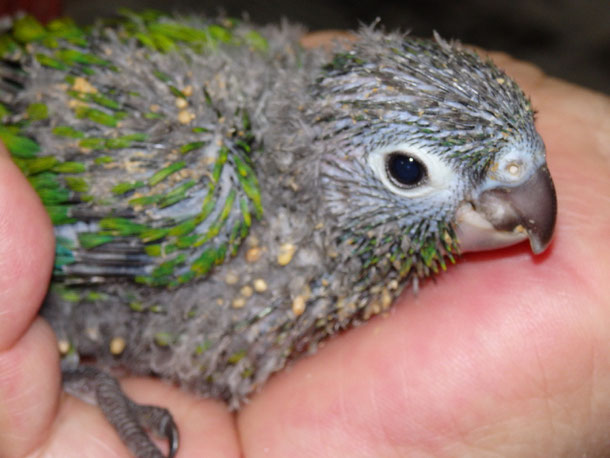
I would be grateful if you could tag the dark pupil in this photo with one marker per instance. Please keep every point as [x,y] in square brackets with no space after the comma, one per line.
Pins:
[406,170]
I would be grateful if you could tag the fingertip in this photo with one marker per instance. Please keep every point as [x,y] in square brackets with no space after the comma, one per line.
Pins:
[327,39]
[26,252]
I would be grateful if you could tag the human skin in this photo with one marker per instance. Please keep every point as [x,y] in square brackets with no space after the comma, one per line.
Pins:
[506,354]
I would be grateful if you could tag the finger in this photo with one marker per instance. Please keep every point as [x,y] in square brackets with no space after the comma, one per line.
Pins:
[26,252]
[29,390]
[29,377]
[326,39]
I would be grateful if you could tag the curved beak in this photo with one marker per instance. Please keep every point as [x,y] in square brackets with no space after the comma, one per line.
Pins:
[504,216]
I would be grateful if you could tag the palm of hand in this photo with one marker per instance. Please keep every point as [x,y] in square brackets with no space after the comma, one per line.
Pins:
[507,352]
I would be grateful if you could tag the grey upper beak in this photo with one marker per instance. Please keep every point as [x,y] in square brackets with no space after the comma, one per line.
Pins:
[506,215]
[532,205]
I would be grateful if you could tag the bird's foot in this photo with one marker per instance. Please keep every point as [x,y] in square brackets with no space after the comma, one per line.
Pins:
[131,420]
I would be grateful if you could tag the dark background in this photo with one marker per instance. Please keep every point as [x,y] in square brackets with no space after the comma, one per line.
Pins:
[567,38]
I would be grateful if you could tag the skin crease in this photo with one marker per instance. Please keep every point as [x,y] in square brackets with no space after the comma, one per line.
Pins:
[507,354]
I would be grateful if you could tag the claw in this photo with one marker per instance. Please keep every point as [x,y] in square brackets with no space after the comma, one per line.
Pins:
[173,437]
[160,422]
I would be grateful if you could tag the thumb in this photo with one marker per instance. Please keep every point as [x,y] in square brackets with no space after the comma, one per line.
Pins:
[29,378]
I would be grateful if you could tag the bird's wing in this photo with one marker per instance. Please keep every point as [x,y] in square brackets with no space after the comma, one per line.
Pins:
[143,165]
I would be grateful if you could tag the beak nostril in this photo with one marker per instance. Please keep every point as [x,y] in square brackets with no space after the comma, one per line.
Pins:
[514,168]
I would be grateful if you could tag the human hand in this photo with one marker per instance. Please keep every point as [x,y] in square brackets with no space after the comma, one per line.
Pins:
[507,353]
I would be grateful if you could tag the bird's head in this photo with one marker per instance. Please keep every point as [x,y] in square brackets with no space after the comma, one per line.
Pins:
[428,151]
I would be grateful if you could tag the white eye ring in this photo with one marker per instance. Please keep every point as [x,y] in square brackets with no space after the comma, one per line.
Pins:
[439,176]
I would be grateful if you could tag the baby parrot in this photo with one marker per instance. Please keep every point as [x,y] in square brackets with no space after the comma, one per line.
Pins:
[223,199]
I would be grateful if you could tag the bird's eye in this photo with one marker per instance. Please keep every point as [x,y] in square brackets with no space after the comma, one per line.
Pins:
[404,170]
[412,171]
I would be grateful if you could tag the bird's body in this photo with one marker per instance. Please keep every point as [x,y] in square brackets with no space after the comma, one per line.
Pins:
[224,200]
[199,118]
